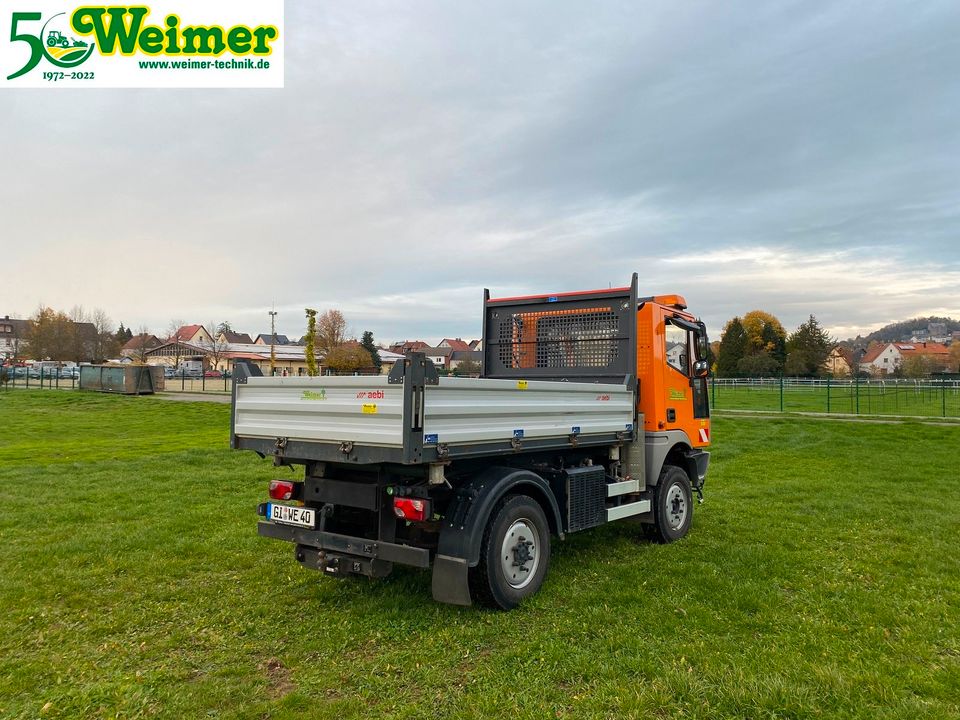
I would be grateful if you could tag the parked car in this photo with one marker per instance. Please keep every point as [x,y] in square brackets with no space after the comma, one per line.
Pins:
[213,374]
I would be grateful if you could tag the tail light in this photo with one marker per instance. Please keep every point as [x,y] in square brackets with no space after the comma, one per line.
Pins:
[285,490]
[413,509]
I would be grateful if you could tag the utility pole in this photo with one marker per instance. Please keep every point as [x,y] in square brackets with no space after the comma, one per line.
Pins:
[273,340]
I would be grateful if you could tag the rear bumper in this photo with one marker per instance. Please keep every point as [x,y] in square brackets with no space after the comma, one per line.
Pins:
[347,545]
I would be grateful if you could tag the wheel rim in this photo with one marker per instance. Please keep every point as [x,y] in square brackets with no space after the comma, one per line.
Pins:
[520,553]
[676,506]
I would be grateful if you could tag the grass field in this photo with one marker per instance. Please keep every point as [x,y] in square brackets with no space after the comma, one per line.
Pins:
[820,580]
[928,400]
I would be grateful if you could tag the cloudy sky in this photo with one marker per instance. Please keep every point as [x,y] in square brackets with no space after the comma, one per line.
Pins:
[799,157]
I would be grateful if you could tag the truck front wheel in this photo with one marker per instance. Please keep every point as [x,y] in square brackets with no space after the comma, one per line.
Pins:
[672,506]
[514,554]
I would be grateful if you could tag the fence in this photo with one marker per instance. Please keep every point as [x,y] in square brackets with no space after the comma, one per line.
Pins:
[927,397]
[51,379]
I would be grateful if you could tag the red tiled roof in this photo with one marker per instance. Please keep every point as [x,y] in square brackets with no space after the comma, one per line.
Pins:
[922,348]
[456,344]
[186,332]
[138,342]
[873,352]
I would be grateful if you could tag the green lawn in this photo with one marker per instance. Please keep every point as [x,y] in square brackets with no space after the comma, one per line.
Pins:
[930,400]
[820,580]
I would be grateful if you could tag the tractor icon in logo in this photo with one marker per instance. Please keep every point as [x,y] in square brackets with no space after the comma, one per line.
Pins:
[60,48]
[58,38]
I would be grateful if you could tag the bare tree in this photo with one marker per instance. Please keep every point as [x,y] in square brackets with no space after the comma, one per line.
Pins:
[217,348]
[172,328]
[105,344]
[79,338]
[141,344]
[331,330]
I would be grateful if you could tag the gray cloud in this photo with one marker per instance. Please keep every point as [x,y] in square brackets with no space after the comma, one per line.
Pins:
[795,156]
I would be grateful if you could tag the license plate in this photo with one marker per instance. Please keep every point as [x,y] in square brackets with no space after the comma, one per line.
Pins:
[291,515]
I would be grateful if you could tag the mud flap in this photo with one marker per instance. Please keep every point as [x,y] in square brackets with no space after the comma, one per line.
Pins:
[450,583]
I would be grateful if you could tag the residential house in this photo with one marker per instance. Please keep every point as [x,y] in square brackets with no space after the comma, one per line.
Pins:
[457,357]
[440,356]
[138,345]
[229,336]
[476,345]
[195,334]
[268,338]
[840,362]
[937,332]
[455,344]
[13,337]
[885,358]
[405,346]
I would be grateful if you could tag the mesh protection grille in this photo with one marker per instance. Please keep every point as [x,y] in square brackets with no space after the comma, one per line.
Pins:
[586,499]
[583,338]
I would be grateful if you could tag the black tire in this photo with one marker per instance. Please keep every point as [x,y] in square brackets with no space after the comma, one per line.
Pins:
[672,506]
[497,580]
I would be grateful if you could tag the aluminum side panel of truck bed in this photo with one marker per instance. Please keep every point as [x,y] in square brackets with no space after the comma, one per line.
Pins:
[327,409]
[368,410]
[462,410]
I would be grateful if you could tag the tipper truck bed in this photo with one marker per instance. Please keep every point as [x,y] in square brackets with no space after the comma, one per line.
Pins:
[474,476]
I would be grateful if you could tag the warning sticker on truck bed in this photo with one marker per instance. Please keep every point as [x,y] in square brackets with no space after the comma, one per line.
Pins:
[369,408]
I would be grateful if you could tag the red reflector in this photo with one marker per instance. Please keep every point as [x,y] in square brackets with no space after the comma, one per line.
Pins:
[413,509]
[282,489]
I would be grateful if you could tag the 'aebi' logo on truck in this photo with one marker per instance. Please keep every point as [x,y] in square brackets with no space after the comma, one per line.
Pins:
[371,395]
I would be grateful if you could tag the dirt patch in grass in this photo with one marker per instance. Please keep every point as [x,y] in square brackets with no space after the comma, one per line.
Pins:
[278,677]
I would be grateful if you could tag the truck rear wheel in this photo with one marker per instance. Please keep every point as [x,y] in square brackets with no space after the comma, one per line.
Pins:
[672,506]
[514,554]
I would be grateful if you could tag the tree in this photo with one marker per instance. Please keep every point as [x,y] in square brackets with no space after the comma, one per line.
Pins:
[49,335]
[347,359]
[954,356]
[310,341]
[758,364]
[216,348]
[138,353]
[808,348]
[123,335]
[105,342]
[733,347]
[172,327]
[467,367]
[368,344]
[331,331]
[756,324]
[916,366]
[224,327]
[80,340]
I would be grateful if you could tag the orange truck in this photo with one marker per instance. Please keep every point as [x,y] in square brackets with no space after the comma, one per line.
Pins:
[592,408]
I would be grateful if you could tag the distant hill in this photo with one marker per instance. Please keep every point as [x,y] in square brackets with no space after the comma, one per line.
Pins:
[895,332]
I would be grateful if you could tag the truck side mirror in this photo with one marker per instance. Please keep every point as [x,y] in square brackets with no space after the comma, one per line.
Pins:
[701,369]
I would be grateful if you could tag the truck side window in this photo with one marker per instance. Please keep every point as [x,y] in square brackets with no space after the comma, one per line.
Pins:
[678,348]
